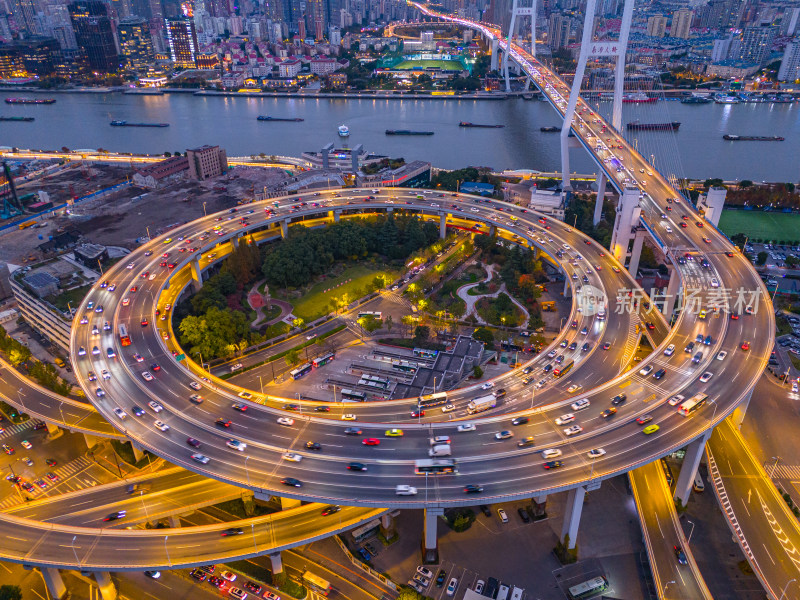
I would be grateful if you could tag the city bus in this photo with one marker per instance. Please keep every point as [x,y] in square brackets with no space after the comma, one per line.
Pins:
[430,400]
[436,466]
[588,588]
[316,583]
[323,360]
[353,396]
[124,338]
[370,313]
[563,369]
[692,404]
[300,371]
[366,531]
[404,366]
[425,353]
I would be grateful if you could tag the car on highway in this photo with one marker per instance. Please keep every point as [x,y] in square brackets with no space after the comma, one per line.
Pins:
[228,576]
[619,399]
[705,377]
[416,414]
[196,399]
[644,419]
[236,445]
[121,414]
[553,464]
[526,441]
[676,399]
[155,406]
[138,411]
[721,355]
[147,376]
[195,385]
[286,421]
[581,404]
[394,433]
[670,350]
[564,419]
[232,531]
[349,417]
[473,489]
[120,514]
[596,453]
[330,509]
[575,429]
[745,346]
[659,374]
[519,420]
[574,388]
[256,589]
[644,371]
[138,357]
[226,423]
[198,575]
[466,427]
[292,457]
[292,482]
[161,425]
[193,442]
[652,428]
[371,442]
[487,386]
[680,555]
[503,435]
[202,459]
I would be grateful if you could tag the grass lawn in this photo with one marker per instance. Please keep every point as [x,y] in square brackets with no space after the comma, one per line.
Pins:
[424,64]
[317,302]
[765,225]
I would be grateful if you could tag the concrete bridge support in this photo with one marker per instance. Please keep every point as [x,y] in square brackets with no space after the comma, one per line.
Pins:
[53,431]
[628,212]
[673,288]
[197,275]
[174,521]
[138,453]
[235,242]
[636,253]
[572,516]
[442,226]
[430,545]
[334,215]
[539,504]
[276,563]
[387,526]
[495,49]
[54,582]
[567,293]
[694,452]
[287,503]
[601,194]
[741,410]
[284,228]
[91,440]
[108,590]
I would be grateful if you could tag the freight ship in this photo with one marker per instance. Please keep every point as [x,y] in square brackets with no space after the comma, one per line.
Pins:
[16,118]
[30,100]
[696,100]
[287,119]
[126,124]
[726,99]
[673,126]
[468,124]
[752,138]
[639,98]
[344,131]
[407,132]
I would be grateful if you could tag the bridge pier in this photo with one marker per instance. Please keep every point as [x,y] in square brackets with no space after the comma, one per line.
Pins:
[53,430]
[276,562]
[387,526]
[694,452]
[430,545]
[539,504]
[138,453]
[601,194]
[54,582]
[636,253]
[495,49]
[285,228]
[713,204]
[627,219]
[673,288]
[91,440]
[287,503]
[572,516]
[197,275]
[235,242]
[108,590]
[334,215]
[567,287]
[741,410]
[442,226]
[174,521]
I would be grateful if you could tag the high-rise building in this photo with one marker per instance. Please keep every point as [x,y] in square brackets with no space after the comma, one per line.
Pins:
[25,14]
[94,34]
[39,55]
[136,43]
[559,30]
[207,162]
[790,65]
[657,26]
[10,62]
[790,21]
[681,24]
[756,43]
[720,50]
[182,42]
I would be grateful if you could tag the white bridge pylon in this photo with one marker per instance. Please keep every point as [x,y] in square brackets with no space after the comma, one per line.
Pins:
[522,11]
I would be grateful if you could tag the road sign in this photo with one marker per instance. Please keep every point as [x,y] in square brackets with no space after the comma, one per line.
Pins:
[180,357]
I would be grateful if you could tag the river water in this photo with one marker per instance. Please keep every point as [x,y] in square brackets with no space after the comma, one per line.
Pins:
[697,150]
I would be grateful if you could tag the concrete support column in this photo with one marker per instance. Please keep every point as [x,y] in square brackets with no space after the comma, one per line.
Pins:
[539,506]
[567,287]
[495,48]
[235,242]
[138,453]
[601,194]
[694,452]
[740,411]
[334,215]
[54,582]
[276,562]
[442,226]
[430,545]
[53,430]
[174,522]
[197,275]
[572,515]
[91,440]
[287,503]
[673,288]
[387,526]
[636,253]
[107,589]
[284,228]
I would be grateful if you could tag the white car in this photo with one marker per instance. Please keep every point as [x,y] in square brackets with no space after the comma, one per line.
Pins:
[722,354]
[155,406]
[452,586]
[147,376]
[573,430]
[349,417]
[292,457]
[564,419]
[644,371]
[487,386]
[668,229]
[581,404]
[706,376]
[161,425]
[285,421]
[195,386]
[120,413]
[236,445]
[201,458]
[228,576]
[138,357]
[448,408]
[596,453]
[670,350]
[106,374]
[676,399]
[405,490]
[551,453]
[794,387]
[26,444]
[466,427]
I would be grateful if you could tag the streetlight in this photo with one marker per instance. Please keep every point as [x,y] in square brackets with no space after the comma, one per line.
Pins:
[785,587]
[691,531]
[166,550]
[261,383]
[772,472]
[205,214]
[665,585]
[101,266]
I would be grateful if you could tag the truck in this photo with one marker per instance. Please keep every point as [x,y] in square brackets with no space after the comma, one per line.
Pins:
[481,404]
[440,450]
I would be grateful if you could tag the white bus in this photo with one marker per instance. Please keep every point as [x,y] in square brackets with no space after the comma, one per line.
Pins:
[692,404]
[482,404]
[588,588]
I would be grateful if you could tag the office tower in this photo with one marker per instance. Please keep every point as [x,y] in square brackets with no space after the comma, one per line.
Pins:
[39,55]
[720,50]
[182,42]
[790,65]
[136,43]
[94,34]
[24,12]
[790,21]
[681,24]
[657,26]
[756,43]
[10,62]
[559,30]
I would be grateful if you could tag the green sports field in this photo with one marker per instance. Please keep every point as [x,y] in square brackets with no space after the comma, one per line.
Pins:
[409,65]
[764,225]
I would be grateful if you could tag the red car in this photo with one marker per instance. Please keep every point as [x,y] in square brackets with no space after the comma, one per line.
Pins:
[216,581]
[745,345]
[417,413]
[683,224]
[371,442]
[133,289]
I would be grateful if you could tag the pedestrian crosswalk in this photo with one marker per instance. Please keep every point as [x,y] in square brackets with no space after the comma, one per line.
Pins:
[15,429]
[64,472]
[782,471]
